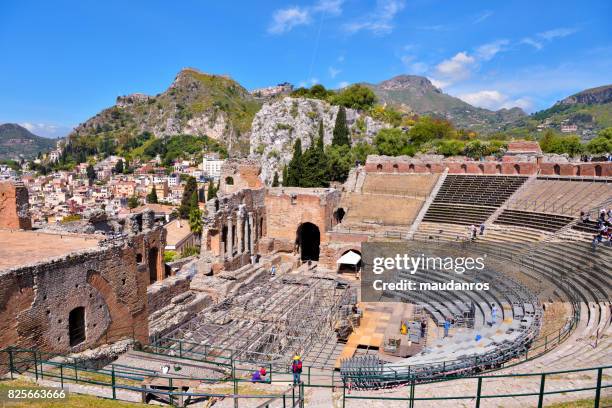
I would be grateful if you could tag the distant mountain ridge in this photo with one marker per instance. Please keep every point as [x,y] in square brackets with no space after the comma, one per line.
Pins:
[417,94]
[17,142]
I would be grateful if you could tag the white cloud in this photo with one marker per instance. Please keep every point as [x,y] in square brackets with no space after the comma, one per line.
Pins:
[285,20]
[438,83]
[487,51]
[413,66]
[494,100]
[548,36]
[380,21]
[333,72]
[483,16]
[530,41]
[46,129]
[457,68]
[314,81]
[557,33]
[329,6]
[343,84]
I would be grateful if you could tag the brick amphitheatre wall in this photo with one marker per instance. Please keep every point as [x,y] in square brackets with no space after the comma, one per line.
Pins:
[36,300]
[288,208]
[509,165]
[14,206]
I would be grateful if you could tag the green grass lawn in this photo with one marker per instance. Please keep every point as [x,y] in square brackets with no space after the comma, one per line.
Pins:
[585,403]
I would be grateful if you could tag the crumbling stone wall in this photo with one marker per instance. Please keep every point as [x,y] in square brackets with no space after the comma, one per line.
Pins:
[240,174]
[109,282]
[14,206]
[233,226]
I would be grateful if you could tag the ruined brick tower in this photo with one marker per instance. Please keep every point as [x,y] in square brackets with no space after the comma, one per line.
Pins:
[14,206]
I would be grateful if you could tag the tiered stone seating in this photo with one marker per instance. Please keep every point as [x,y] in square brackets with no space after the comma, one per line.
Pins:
[546,222]
[471,199]
[586,226]
[387,199]
[478,190]
[568,195]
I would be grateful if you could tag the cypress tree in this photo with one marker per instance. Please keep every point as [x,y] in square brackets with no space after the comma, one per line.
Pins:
[341,131]
[190,188]
[275,180]
[296,167]
[212,192]
[285,175]
[152,196]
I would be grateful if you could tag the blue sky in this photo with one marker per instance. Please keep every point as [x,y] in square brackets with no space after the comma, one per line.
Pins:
[63,61]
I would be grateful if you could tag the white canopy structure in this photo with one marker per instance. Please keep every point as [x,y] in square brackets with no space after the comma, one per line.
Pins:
[350,258]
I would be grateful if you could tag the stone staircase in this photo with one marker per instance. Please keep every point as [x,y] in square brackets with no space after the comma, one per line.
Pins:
[432,195]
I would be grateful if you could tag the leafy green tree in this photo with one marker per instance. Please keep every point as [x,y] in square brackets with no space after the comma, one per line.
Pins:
[339,162]
[119,167]
[566,145]
[191,188]
[476,149]
[427,129]
[547,140]
[275,182]
[341,131]
[393,142]
[361,151]
[450,147]
[600,145]
[607,133]
[133,202]
[152,196]
[296,167]
[355,97]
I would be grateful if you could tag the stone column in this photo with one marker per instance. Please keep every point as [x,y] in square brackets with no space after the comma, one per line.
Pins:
[251,232]
[239,231]
[230,237]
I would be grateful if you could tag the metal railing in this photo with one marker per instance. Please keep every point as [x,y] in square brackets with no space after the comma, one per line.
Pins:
[127,378]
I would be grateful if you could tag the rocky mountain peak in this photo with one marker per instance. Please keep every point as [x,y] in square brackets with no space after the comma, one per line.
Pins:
[408,82]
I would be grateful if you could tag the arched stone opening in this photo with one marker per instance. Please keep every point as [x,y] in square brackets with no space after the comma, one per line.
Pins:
[379,167]
[411,168]
[481,168]
[395,167]
[76,326]
[464,168]
[598,170]
[308,239]
[428,167]
[557,170]
[153,254]
[498,168]
[517,169]
[339,215]
[350,266]
[229,180]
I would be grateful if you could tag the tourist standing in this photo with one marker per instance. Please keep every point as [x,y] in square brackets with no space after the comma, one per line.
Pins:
[447,325]
[296,369]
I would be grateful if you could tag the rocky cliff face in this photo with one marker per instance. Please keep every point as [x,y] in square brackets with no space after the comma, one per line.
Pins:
[278,124]
[593,96]
[195,103]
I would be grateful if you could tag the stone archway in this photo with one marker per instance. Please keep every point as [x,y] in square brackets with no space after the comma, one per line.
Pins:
[76,326]
[557,169]
[153,254]
[308,239]
[339,215]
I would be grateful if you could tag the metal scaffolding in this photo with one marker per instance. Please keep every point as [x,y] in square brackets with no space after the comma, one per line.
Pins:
[267,321]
